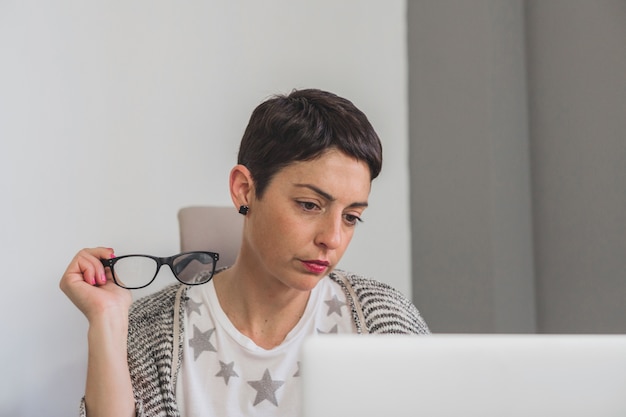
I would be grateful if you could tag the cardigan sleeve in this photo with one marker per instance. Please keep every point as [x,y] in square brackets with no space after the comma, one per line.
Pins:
[151,340]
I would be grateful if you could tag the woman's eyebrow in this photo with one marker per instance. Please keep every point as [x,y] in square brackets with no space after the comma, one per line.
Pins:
[328,196]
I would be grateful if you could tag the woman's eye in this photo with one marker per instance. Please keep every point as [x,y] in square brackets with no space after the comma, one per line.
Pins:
[307,205]
[352,219]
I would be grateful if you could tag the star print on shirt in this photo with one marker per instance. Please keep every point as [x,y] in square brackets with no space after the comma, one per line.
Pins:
[334,305]
[333,330]
[227,371]
[266,388]
[200,342]
[192,307]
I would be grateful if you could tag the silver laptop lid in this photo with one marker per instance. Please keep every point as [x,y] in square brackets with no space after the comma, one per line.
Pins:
[464,375]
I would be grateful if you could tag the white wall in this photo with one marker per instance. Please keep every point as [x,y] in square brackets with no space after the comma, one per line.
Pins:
[113,115]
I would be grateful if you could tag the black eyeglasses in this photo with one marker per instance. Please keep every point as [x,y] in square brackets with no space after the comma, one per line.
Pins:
[138,271]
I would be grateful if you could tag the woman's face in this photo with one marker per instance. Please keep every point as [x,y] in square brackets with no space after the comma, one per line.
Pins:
[299,230]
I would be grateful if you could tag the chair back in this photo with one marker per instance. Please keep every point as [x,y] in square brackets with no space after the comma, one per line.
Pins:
[211,228]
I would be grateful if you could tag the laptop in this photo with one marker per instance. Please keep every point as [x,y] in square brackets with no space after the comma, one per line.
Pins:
[467,375]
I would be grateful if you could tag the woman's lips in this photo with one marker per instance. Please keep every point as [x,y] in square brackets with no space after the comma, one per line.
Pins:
[316,267]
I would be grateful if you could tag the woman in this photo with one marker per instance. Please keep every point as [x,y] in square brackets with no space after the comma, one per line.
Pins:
[230,347]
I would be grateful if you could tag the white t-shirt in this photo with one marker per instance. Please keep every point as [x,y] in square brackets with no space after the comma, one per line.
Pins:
[224,373]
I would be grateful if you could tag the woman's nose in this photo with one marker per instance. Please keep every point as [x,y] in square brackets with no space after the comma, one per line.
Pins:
[330,232]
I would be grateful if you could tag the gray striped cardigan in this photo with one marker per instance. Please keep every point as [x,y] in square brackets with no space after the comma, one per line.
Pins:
[156,322]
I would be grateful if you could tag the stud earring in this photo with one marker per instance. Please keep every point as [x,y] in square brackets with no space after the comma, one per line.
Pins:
[243,210]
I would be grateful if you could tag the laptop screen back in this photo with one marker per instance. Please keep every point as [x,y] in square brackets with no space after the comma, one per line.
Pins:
[464,375]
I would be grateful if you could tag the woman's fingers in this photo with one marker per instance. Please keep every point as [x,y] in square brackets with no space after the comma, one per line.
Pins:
[100,295]
[87,266]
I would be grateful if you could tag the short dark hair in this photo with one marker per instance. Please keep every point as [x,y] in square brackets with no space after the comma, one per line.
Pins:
[302,126]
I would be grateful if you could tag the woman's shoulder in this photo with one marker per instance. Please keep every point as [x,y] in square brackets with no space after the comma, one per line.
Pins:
[151,320]
[386,309]
[363,285]
[157,303]
[162,301]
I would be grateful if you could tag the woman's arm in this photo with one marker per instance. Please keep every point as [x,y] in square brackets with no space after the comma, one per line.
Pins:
[108,390]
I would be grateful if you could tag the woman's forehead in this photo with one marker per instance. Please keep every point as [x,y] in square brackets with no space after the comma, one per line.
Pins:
[333,173]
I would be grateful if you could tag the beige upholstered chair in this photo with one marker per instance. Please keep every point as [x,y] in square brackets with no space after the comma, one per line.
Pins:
[211,228]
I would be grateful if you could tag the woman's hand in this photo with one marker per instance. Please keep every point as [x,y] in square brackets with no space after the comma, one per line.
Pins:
[89,285]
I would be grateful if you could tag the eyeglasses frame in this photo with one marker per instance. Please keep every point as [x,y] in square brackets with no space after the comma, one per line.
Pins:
[160,261]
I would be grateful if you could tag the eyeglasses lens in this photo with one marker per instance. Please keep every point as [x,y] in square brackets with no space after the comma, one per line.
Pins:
[135,271]
[194,267]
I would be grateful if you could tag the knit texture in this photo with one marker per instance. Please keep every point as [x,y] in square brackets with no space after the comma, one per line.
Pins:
[151,335]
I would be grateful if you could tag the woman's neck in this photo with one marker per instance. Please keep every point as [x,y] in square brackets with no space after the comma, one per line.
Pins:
[264,313]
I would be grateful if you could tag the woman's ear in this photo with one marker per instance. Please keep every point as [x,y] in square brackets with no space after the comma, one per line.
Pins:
[241,186]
